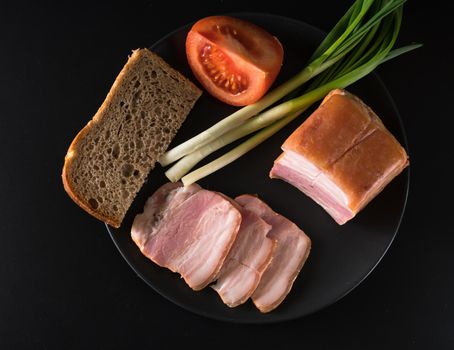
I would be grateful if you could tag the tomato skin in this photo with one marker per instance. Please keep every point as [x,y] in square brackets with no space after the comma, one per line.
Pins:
[235,61]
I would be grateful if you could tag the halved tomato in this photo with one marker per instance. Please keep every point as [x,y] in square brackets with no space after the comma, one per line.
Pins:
[235,61]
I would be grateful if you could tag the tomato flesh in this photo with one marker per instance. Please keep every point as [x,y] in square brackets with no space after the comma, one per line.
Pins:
[234,60]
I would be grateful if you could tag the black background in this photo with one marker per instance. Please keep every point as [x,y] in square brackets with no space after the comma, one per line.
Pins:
[63,284]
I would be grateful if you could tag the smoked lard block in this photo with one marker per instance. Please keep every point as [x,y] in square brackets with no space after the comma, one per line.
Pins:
[342,156]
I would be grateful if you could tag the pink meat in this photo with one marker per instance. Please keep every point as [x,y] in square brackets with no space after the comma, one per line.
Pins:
[247,260]
[156,208]
[299,172]
[193,234]
[289,256]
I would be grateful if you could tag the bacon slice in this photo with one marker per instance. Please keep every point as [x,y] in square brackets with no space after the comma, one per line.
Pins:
[290,254]
[247,260]
[169,195]
[187,230]
[342,156]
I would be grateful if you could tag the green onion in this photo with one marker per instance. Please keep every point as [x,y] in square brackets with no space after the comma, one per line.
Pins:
[185,164]
[373,41]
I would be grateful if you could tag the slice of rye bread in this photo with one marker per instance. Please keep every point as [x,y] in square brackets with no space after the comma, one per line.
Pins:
[111,157]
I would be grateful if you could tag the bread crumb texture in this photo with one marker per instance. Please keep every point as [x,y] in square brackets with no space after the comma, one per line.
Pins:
[112,156]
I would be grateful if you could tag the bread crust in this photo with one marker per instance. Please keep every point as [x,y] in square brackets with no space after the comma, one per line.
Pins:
[102,113]
[79,200]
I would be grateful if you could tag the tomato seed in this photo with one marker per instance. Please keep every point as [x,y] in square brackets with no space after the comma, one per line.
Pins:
[219,67]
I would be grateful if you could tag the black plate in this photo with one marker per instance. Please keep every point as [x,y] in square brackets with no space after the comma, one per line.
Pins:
[341,257]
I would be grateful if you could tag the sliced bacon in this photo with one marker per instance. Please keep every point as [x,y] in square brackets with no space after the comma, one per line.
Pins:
[169,195]
[247,260]
[290,254]
[190,233]
[248,249]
